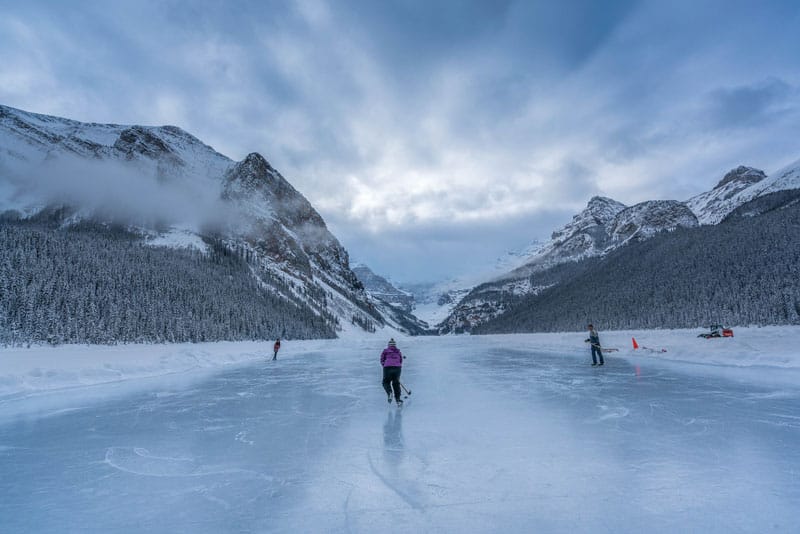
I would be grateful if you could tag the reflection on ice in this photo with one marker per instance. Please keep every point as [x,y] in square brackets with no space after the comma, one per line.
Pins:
[393,431]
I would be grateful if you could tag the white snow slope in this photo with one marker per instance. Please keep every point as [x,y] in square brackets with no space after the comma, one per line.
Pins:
[500,434]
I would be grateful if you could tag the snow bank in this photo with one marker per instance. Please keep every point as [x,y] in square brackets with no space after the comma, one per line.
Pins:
[35,369]
[771,346]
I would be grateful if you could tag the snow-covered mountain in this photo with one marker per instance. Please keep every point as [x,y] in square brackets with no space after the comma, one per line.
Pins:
[379,287]
[739,186]
[783,179]
[396,306]
[28,140]
[647,219]
[586,235]
[712,206]
[280,223]
[602,226]
[165,181]
[606,225]
[516,258]
[433,301]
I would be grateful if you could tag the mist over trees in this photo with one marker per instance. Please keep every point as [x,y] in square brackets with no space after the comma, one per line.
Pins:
[743,271]
[94,283]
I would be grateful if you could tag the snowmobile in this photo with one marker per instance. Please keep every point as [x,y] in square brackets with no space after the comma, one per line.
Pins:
[717,330]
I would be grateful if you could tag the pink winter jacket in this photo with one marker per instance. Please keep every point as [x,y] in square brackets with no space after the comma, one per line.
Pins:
[391,357]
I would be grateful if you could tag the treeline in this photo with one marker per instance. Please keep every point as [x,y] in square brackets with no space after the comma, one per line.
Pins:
[743,271]
[94,283]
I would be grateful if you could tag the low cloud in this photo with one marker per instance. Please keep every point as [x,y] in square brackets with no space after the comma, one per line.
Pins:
[121,192]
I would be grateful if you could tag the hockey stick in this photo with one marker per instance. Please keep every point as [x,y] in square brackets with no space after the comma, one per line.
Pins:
[408,391]
[605,349]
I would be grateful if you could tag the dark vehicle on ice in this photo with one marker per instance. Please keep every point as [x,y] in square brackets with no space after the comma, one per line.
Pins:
[717,330]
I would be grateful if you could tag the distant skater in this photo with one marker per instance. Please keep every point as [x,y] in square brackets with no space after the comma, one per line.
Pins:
[276,348]
[594,339]
[392,362]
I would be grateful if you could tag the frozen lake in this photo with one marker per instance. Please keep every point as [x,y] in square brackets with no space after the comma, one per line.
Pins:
[496,437]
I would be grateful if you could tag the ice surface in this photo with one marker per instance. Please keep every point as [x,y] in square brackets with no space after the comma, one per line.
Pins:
[500,434]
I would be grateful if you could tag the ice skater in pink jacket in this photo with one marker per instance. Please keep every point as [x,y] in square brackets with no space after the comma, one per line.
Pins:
[392,362]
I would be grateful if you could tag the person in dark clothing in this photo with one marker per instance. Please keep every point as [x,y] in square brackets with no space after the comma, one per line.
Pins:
[276,348]
[392,362]
[594,339]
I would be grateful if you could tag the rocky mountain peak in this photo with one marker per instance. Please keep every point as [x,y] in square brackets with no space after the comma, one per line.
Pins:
[600,201]
[139,140]
[598,212]
[648,218]
[255,174]
[281,222]
[603,209]
[743,175]
[734,189]
[256,164]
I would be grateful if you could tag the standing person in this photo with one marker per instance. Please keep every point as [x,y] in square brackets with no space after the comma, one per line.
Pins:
[594,339]
[392,362]
[276,348]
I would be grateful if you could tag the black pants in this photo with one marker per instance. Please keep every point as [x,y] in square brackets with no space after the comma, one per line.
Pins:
[391,375]
[595,348]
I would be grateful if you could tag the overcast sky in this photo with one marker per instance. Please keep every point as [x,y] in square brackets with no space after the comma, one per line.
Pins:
[433,136]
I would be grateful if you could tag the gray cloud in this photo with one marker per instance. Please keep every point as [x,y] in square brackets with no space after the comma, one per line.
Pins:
[399,116]
[424,251]
[754,105]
